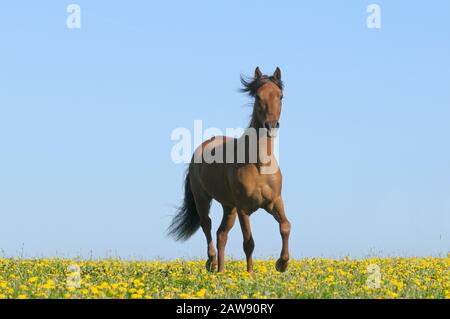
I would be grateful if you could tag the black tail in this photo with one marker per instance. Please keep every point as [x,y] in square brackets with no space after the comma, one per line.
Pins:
[187,221]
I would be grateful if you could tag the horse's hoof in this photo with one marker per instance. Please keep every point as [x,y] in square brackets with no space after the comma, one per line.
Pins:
[211,265]
[281,265]
[252,274]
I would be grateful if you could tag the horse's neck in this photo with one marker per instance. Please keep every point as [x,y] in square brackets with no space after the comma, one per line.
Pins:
[265,149]
[265,146]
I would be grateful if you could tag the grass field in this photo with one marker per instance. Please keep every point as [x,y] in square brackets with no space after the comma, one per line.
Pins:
[306,278]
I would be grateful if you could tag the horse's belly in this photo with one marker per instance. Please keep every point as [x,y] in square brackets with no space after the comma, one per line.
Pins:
[215,183]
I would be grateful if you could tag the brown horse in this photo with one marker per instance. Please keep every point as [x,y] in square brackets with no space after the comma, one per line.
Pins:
[250,180]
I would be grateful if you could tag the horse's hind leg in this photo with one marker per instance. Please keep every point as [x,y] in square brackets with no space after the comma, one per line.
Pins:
[203,203]
[228,219]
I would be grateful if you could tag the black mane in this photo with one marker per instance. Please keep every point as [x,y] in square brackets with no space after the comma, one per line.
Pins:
[251,85]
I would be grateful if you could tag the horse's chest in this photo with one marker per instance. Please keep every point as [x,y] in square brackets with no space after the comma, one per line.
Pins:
[255,195]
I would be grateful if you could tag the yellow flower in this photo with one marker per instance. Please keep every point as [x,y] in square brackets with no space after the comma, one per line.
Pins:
[201,293]
[50,284]
[140,291]
[33,279]
[313,278]
[104,285]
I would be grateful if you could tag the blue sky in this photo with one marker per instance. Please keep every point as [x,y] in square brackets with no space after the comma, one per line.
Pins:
[86,117]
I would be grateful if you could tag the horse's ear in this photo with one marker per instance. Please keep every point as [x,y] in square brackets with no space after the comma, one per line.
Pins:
[277,74]
[258,73]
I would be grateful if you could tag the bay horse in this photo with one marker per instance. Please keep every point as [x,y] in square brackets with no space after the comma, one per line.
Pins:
[240,186]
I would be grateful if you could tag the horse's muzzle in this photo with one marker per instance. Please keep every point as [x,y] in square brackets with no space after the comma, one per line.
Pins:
[272,128]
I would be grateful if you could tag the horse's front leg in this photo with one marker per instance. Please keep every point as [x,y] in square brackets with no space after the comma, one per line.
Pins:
[277,211]
[249,244]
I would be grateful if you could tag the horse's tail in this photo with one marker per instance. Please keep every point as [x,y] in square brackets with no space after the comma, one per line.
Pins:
[186,221]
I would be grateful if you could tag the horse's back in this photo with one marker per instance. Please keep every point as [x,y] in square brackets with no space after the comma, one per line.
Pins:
[211,176]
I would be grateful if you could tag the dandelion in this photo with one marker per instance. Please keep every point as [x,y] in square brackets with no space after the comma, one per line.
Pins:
[33,279]
[201,293]
[306,278]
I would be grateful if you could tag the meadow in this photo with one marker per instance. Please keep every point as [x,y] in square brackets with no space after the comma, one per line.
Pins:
[306,278]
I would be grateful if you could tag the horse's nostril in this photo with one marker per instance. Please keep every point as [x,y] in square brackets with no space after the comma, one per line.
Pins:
[267,126]
[277,125]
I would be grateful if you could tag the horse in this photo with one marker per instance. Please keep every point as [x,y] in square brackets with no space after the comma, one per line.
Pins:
[242,185]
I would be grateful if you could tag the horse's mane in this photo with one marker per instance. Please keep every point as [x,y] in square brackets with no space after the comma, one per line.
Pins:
[251,84]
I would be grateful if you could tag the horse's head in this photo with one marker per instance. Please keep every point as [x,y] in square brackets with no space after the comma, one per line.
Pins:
[268,93]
